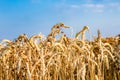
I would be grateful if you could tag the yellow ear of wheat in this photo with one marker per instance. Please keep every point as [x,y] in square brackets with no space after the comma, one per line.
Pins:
[62,58]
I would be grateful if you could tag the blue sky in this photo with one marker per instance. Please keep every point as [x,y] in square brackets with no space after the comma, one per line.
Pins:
[34,16]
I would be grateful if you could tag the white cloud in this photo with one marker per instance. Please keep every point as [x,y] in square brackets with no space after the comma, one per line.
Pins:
[100,6]
[114,4]
[92,7]
[74,6]
[88,7]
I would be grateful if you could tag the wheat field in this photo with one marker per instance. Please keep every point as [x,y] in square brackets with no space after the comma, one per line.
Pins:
[61,58]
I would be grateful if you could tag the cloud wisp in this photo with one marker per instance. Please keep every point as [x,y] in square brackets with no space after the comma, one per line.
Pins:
[93,7]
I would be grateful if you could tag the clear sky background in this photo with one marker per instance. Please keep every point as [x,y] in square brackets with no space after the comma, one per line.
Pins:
[35,16]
